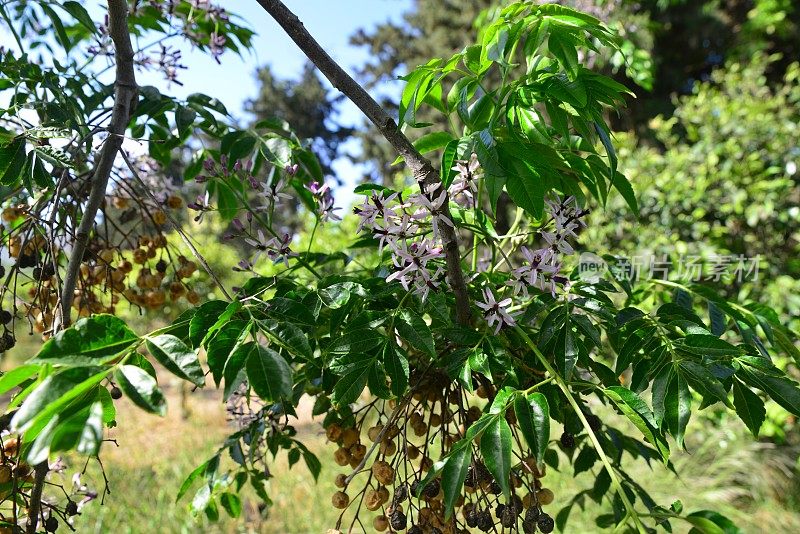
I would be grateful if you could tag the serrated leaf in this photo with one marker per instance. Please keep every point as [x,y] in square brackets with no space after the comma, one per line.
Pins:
[223,344]
[749,407]
[89,341]
[454,473]
[395,362]
[703,381]
[350,386]
[416,332]
[232,504]
[204,318]
[54,156]
[81,15]
[49,396]
[637,411]
[780,389]
[177,358]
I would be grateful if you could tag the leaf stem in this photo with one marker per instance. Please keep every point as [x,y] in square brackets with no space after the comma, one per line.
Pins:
[631,511]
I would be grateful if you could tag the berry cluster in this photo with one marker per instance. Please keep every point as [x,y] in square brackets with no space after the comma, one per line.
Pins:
[17,478]
[128,256]
[391,457]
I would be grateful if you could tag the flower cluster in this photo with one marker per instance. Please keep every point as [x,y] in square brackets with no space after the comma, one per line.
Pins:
[542,266]
[401,226]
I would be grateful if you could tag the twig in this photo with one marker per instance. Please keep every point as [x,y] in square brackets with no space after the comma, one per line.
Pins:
[423,171]
[125,97]
[400,406]
[175,224]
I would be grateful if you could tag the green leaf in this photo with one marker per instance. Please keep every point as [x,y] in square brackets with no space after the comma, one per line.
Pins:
[187,483]
[430,142]
[223,344]
[12,161]
[204,318]
[92,340]
[54,156]
[289,336]
[749,407]
[703,381]
[231,503]
[562,47]
[184,118]
[637,411]
[350,386]
[17,376]
[81,15]
[496,450]
[177,358]
[453,474]
[335,296]
[416,332]
[708,345]
[708,521]
[284,309]
[533,415]
[449,158]
[141,388]
[626,190]
[53,393]
[395,361]
[780,389]
[269,374]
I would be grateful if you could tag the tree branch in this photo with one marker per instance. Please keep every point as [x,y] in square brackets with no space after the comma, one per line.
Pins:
[125,97]
[423,171]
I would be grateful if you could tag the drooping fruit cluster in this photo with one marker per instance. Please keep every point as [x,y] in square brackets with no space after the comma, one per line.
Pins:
[389,447]
[127,257]
[17,479]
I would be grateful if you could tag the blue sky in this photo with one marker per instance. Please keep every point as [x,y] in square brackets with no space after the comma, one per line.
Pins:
[331,22]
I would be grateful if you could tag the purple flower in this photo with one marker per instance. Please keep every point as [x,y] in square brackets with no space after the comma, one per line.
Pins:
[262,245]
[324,197]
[464,187]
[281,251]
[496,312]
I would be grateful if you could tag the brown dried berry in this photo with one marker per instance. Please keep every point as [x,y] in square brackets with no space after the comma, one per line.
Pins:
[544,496]
[383,472]
[340,500]
[380,523]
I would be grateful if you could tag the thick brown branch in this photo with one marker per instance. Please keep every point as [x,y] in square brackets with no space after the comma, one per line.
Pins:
[125,95]
[423,171]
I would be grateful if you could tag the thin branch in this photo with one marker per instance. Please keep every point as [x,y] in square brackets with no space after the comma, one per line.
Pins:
[424,173]
[125,97]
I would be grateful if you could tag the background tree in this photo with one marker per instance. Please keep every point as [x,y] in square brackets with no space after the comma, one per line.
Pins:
[306,103]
